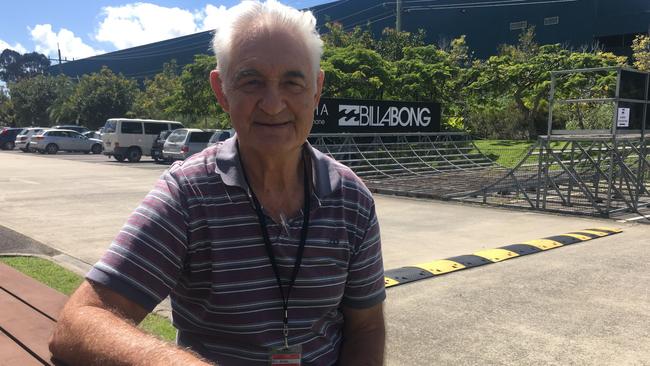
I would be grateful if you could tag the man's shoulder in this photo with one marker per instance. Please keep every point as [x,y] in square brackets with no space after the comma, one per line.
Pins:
[351,186]
[197,166]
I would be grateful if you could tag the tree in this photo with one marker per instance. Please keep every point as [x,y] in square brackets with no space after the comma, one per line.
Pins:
[425,74]
[641,52]
[194,99]
[103,95]
[63,110]
[34,63]
[392,43]
[523,73]
[354,72]
[15,67]
[337,37]
[156,101]
[31,98]
[10,71]
[6,109]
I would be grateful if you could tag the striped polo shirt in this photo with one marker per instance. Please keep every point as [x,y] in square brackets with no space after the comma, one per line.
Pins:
[196,237]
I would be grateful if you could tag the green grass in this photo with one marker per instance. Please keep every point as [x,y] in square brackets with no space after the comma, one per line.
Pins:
[505,152]
[66,282]
[46,272]
[509,153]
[159,326]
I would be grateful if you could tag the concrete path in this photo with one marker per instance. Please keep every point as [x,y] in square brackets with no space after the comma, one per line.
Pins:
[584,304]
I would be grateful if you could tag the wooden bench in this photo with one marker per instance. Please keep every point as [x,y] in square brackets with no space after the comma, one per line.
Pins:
[28,313]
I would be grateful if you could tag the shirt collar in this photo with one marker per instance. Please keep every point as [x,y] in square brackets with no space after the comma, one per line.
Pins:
[326,178]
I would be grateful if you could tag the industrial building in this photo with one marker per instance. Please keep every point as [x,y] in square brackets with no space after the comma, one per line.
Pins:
[610,24]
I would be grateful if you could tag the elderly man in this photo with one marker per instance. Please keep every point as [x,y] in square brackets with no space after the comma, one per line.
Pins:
[268,249]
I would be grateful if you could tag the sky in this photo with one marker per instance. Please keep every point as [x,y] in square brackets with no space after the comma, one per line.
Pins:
[84,28]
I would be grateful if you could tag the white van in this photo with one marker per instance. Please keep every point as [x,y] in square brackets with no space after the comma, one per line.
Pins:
[131,138]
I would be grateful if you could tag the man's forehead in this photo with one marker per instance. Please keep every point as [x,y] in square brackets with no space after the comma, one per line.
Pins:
[270,49]
[245,72]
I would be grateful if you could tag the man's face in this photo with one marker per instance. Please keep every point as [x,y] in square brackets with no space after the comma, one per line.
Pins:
[270,91]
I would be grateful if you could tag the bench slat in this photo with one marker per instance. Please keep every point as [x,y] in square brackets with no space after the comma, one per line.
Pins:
[45,299]
[30,327]
[13,354]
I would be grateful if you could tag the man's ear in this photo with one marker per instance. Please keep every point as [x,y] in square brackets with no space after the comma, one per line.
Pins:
[217,87]
[320,79]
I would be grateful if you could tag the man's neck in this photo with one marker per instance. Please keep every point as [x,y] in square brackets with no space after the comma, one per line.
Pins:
[276,180]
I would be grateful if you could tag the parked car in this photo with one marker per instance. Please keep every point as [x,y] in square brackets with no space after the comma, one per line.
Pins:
[184,142]
[53,141]
[220,136]
[131,138]
[8,137]
[80,129]
[157,147]
[92,134]
[23,139]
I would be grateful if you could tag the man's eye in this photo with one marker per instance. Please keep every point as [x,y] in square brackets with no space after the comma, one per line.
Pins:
[251,84]
[294,85]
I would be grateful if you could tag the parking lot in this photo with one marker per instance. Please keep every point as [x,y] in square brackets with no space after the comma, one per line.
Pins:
[584,304]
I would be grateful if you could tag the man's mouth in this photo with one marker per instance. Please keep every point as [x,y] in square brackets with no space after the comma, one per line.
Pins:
[272,124]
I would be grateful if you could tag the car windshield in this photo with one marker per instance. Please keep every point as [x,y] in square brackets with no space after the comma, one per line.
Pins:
[177,136]
[202,137]
[164,134]
[110,126]
[220,135]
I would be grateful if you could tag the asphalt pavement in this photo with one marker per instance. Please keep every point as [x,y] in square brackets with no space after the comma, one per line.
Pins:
[583,304]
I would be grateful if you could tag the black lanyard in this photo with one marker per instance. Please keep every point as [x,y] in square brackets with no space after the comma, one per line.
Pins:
[269,248]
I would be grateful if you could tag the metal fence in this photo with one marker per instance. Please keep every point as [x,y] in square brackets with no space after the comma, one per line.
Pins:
[589,175]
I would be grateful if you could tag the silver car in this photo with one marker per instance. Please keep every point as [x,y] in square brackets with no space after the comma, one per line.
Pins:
[185,142]
[53,141]
[23,139]
[220,136]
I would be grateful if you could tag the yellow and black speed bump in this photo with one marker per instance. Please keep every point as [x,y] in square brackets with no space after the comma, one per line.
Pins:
[421,271]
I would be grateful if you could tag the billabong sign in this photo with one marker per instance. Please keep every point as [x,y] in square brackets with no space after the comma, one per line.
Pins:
[374,116]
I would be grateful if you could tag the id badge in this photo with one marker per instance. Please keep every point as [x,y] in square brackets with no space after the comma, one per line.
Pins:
[286,356]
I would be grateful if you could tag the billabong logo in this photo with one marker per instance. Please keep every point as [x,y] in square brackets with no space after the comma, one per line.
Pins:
[375,116]
[347,109]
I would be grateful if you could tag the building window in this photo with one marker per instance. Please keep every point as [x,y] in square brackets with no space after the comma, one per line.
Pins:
[552,20]
[518,25]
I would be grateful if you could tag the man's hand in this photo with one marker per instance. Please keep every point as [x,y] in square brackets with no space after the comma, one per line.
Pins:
[97,326]
[364,336]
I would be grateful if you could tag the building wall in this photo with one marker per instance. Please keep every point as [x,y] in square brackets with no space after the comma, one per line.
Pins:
[486,24]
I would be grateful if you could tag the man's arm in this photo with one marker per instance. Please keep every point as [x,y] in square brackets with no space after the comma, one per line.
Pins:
[97,326]
[364,336]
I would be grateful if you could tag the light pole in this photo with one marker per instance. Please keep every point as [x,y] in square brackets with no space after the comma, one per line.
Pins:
[398,22]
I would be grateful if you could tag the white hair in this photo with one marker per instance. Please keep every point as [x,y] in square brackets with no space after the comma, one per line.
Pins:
[240,19]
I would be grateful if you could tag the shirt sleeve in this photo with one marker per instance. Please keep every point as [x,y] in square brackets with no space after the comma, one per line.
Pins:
[146,258]
[365,286]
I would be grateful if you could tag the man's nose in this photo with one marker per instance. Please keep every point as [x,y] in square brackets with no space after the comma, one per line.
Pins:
[272,101]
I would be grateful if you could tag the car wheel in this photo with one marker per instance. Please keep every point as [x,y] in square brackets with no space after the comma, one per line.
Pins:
[52,149]
[119,158]
[9,145]
[134,154]
[96,149]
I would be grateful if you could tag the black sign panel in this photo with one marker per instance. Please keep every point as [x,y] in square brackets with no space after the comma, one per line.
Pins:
[633,85]
[375,116]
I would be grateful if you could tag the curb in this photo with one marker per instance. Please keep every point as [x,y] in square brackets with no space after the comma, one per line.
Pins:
[400,276]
